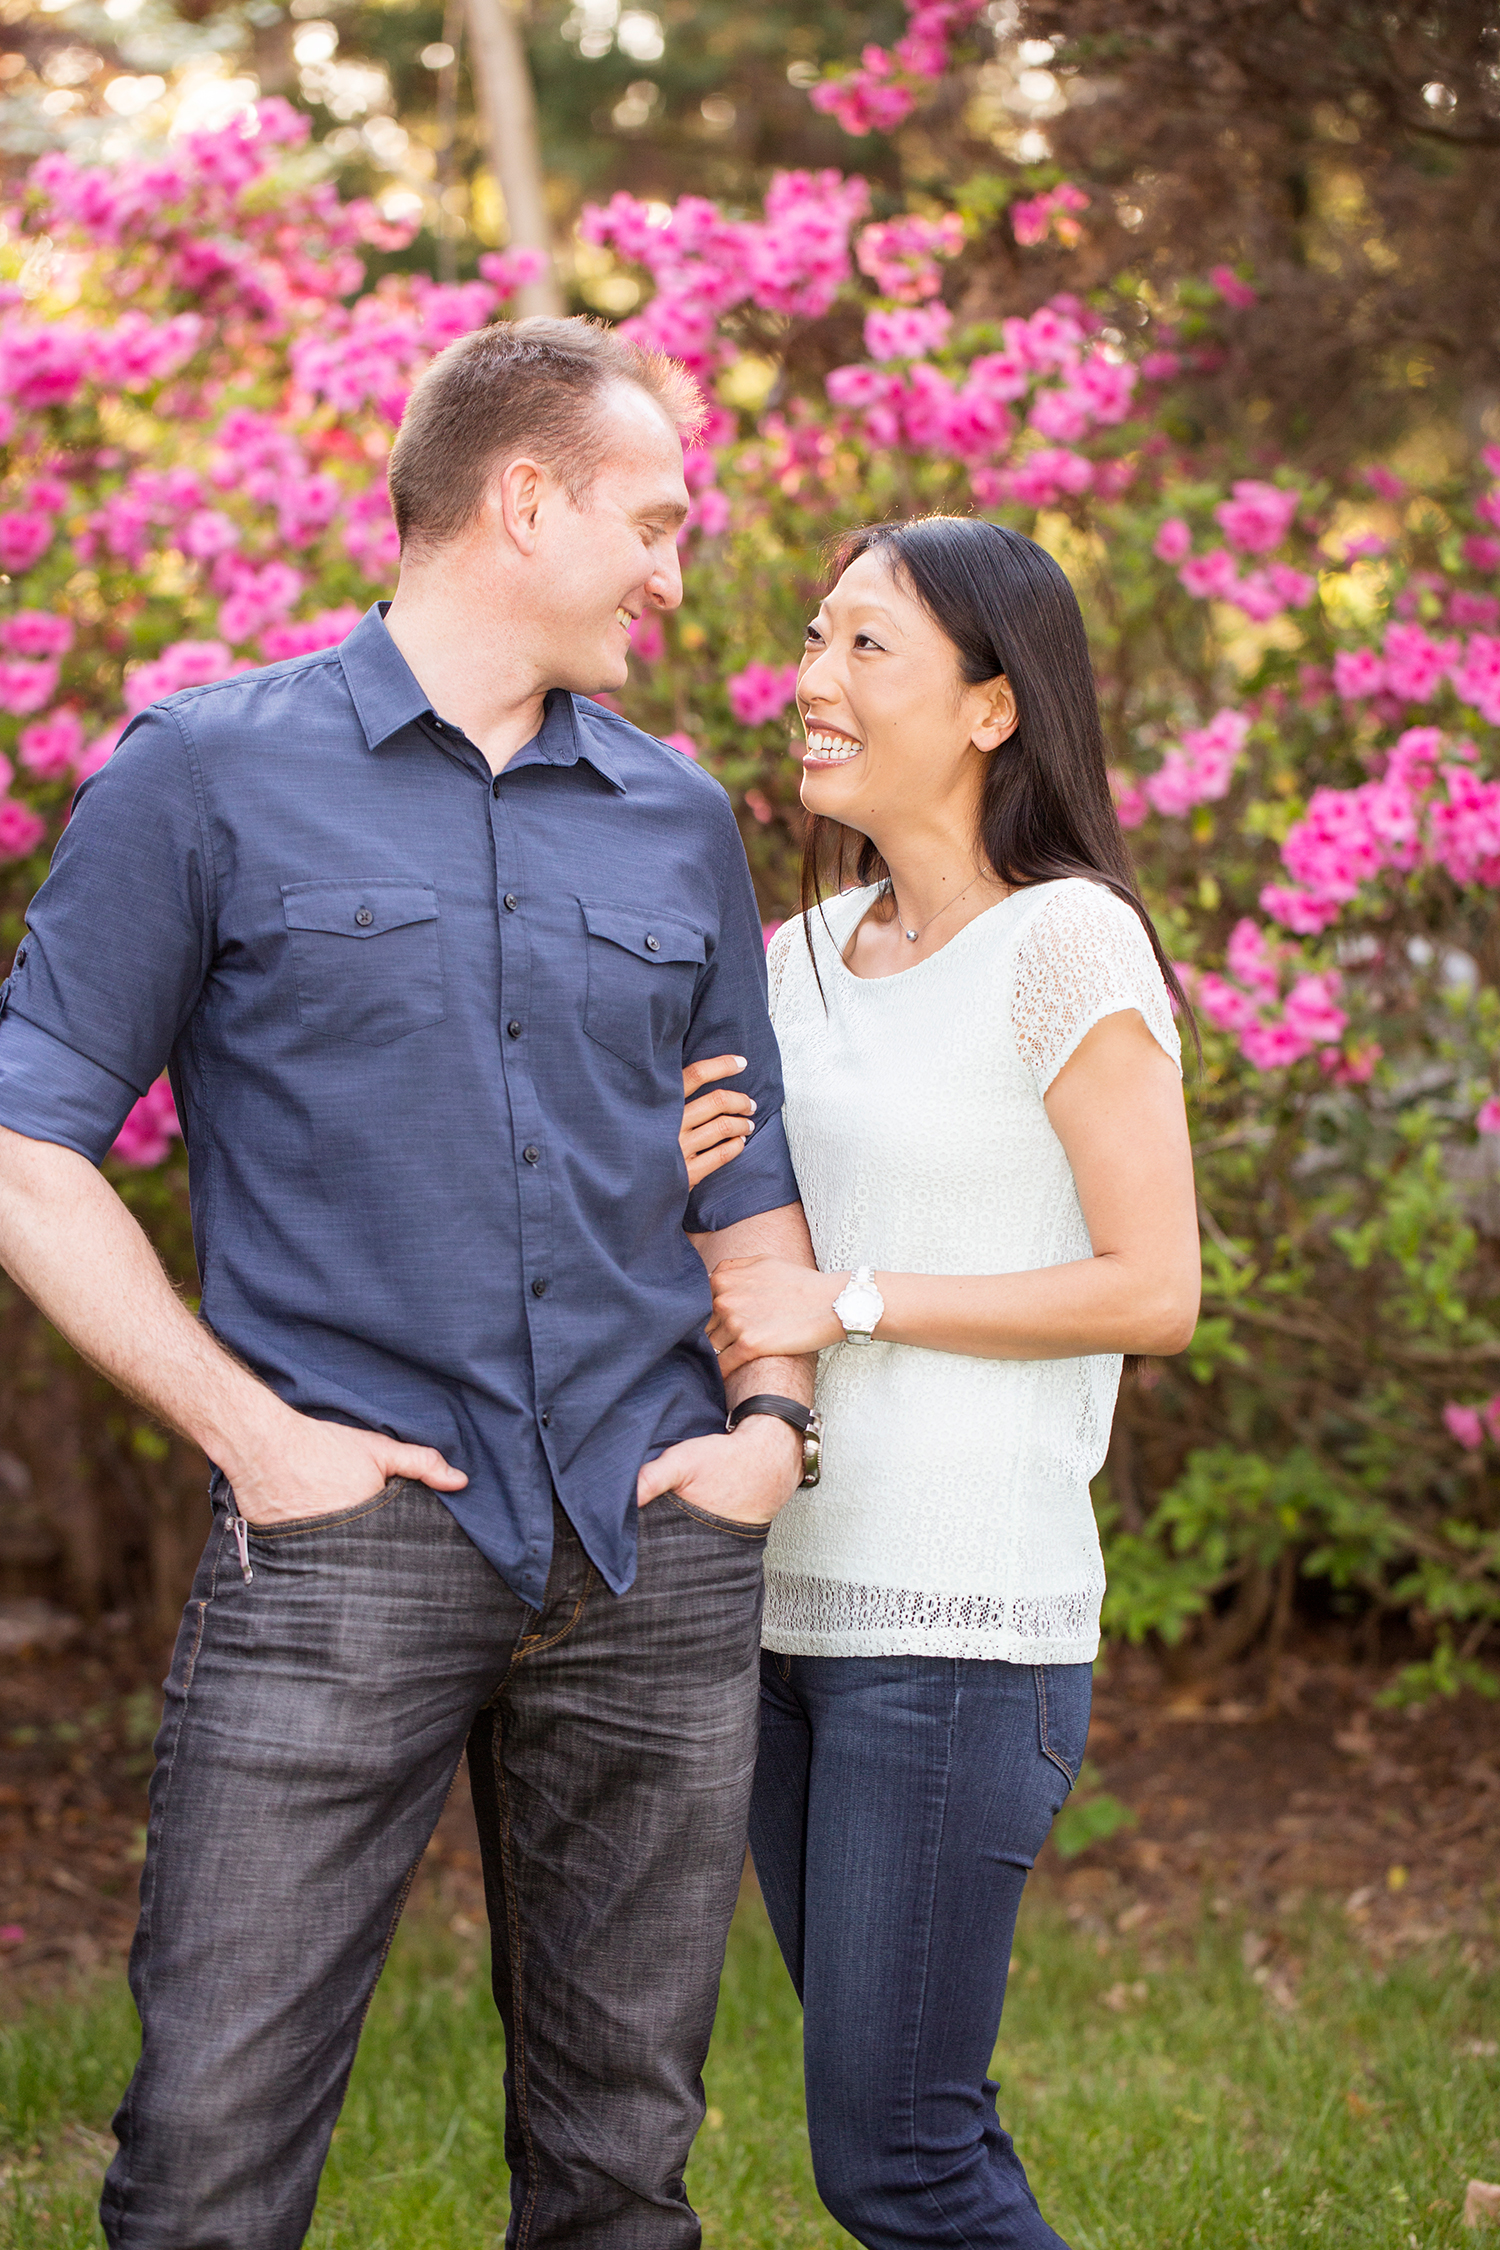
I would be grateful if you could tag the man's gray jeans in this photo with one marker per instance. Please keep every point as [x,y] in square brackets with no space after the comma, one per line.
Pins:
[314,1721]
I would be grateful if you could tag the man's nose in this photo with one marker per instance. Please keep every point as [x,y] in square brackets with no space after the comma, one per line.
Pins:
[665,583]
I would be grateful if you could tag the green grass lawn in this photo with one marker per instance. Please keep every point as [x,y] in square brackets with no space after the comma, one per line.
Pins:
[1158,2102]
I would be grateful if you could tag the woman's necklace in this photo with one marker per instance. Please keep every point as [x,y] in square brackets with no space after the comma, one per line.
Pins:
[913,935]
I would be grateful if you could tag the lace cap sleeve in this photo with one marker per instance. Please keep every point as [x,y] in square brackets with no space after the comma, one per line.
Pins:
[778,953]
[1085,956]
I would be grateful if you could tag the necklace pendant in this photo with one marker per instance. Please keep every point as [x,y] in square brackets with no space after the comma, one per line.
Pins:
[913,935]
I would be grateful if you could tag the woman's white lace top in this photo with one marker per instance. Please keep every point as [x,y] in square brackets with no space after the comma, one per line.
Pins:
[954,1516]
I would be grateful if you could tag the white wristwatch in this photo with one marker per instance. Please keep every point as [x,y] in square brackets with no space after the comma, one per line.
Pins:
[859,1306]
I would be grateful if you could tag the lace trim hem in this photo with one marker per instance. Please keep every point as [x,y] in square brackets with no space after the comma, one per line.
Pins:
[818,1611]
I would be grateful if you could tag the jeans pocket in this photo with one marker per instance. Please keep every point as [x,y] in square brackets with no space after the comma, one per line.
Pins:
[756,1531]
[1064,1697]
[303,1527]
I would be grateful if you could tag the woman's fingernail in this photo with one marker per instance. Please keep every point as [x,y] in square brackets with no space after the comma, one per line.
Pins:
[754,1106]
[740,1063]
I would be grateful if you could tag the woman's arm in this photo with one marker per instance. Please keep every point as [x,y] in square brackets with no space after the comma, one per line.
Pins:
[1116,1106]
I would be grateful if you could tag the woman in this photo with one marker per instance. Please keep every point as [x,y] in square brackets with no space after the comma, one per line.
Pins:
[984,1107]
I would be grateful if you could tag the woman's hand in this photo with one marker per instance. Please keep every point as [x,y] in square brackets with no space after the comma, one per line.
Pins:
[716,1126]
[765,1308]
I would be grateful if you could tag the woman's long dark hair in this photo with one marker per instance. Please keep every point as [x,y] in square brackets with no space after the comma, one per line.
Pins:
[1046,809]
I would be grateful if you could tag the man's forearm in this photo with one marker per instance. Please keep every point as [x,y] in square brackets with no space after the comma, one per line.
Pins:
[69,1242]
[770,1234]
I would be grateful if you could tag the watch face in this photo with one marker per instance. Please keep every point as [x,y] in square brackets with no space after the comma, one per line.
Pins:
[860,1307]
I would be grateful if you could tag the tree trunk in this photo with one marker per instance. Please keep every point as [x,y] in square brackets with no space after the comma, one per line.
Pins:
[508,103]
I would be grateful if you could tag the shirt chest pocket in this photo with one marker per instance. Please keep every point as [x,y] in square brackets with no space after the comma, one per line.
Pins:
[643,971]
[366,957]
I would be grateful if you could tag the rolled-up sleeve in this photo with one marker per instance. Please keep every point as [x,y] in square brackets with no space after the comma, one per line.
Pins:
[730,1017]
[118,944]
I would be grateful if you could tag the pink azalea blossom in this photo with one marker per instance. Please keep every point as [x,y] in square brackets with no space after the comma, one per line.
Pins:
[1131,802]
[1230,287]
[1294,587]
[510,270]
[1474,609]
[1311,1011]
[1384,482]
[1487,1116]
[208,533]
[761,692]
[1274,1046]
[149,1129]
[25,537]
[1161,367]
[26,687]
[1258,517]
[1476,677]
[1482,553]
[97,753]
[1357,672]
[709,513]
[647,640]
[1464,1424]
[1251,960]
[181,664]
[900,255]
[1226,1007]
[21,830]
[1200,768]
[50,747]
[1173,542]
[908,334]
[1258,598]
[36,632]
[1414,663]
[1210,577]
[683,743]
[307,636]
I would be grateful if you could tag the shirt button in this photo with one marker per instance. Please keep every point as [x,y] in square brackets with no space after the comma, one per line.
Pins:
[546,1421]
[532,1154]
[510,902]
[539,1286]
[653,945]
[363,917]
[495,786]
[514,1027]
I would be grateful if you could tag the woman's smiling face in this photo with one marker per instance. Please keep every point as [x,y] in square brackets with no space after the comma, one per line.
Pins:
[893,729]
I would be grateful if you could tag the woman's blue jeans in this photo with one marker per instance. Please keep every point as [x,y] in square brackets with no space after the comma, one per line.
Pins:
[899,1804]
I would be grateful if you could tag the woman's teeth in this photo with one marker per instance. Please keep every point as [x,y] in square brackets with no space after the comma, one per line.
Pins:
[836,749]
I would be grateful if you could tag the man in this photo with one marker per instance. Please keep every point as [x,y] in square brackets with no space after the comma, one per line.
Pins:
[426,939]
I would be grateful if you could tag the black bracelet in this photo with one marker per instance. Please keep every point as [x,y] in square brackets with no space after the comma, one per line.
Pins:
[798,1417]
[787,1410]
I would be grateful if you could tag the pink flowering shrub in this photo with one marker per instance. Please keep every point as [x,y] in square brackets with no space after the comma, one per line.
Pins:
[1301,687]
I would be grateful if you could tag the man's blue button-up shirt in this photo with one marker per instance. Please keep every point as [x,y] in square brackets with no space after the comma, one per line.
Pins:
[426,1029]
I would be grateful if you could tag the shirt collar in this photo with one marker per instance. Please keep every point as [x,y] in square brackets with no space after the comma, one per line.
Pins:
[388,696]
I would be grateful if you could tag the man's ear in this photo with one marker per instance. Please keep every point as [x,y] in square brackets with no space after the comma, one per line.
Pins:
[998,716]
[517,495]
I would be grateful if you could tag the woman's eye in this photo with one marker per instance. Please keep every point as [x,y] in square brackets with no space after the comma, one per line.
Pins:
[863,640]
[812,634]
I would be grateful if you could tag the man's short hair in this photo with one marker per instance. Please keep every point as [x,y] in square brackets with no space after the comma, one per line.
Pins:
[529,387]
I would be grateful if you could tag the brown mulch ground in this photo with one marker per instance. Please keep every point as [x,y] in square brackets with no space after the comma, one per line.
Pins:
[1248,1801]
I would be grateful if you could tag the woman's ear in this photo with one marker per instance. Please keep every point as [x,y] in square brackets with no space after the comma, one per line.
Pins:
[997,717]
